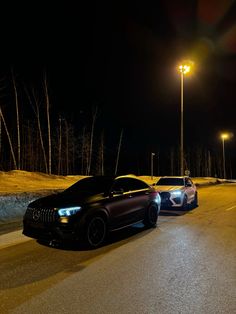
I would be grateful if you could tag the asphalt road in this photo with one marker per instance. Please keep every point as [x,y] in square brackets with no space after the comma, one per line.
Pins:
[185,265]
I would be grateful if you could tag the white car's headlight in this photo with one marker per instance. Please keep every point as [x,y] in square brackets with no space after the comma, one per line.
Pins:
[68,211]
[176,193]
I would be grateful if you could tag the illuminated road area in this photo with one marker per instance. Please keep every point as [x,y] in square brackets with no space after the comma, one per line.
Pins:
[186,265]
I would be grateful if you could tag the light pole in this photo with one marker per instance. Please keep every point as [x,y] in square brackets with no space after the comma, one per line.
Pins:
[183,69]
[224,136]
[152,154]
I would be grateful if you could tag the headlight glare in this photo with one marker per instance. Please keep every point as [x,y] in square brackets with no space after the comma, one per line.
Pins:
[176,193]
[68,211]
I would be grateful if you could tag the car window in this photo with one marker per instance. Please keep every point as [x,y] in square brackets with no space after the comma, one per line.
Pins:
[170,181]
[128,184]
[92,185]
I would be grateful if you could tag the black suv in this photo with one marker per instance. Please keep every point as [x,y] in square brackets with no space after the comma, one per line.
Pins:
[92,207]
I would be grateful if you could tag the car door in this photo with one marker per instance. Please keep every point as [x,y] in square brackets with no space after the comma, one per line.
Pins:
[129,198]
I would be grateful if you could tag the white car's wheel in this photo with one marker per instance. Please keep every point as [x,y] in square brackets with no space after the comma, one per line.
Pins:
[195,201]
[185,203]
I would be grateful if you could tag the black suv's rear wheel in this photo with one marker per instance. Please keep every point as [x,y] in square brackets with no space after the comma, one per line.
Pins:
[96,230]
[151,216]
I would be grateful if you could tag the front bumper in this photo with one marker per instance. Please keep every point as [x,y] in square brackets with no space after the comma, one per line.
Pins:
[57,231]
[168,201]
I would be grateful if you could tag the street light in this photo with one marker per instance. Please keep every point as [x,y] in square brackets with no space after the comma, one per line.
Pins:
[224,136]
[183,69]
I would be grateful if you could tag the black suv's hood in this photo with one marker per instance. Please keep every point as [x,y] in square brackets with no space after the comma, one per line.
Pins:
[65,199]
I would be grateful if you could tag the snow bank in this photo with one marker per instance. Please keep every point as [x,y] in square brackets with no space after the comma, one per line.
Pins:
[24,181]
[13,206]
[18,188]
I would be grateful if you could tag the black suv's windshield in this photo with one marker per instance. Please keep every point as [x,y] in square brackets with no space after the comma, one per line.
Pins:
[170,181]
[93,185]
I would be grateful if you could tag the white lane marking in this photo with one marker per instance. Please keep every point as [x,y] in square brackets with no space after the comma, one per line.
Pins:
[231,207]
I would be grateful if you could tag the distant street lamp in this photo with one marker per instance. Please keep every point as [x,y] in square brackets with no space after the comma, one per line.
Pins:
[152,154]
[183,69]
[224,136]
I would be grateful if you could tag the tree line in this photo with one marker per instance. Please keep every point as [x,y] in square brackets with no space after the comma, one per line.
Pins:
[44,142]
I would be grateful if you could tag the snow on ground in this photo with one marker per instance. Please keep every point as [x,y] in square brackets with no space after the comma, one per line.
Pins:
[18,188]
[197,181]
[16,181]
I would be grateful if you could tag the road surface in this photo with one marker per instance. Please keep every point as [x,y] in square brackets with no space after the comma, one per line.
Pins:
[185,265]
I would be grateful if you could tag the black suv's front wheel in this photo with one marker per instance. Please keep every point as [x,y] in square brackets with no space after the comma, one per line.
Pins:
[96,230]
[151,216]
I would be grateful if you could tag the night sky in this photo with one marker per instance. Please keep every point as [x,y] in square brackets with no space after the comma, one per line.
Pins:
[122,57]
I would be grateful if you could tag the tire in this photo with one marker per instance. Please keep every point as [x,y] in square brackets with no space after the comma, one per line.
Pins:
[151,216]
[185,203]
[96,230]
[195,201]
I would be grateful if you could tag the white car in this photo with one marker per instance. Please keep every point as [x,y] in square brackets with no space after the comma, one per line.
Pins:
[177,191]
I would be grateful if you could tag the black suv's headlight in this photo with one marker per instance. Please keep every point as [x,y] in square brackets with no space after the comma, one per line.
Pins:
[68,211]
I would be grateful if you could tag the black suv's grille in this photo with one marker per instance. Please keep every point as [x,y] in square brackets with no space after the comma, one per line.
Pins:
[41,214]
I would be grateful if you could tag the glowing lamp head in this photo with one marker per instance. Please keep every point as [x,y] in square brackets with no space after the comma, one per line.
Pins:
[224,136]
[183,68]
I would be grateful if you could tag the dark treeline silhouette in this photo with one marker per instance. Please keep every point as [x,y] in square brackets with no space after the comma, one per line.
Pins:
[33,137]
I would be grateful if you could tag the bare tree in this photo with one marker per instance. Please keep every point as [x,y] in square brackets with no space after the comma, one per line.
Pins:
[17,123]
[209,164]
[59,149]
[73,145]
[198,157]
[100,156]
[49,127]
[9,138]
[219,168]
[35,106]
[84,152]
[118,151]
[102,153]
[29,152]
[0,135]
[67,147]
[1,88]
[91,141]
